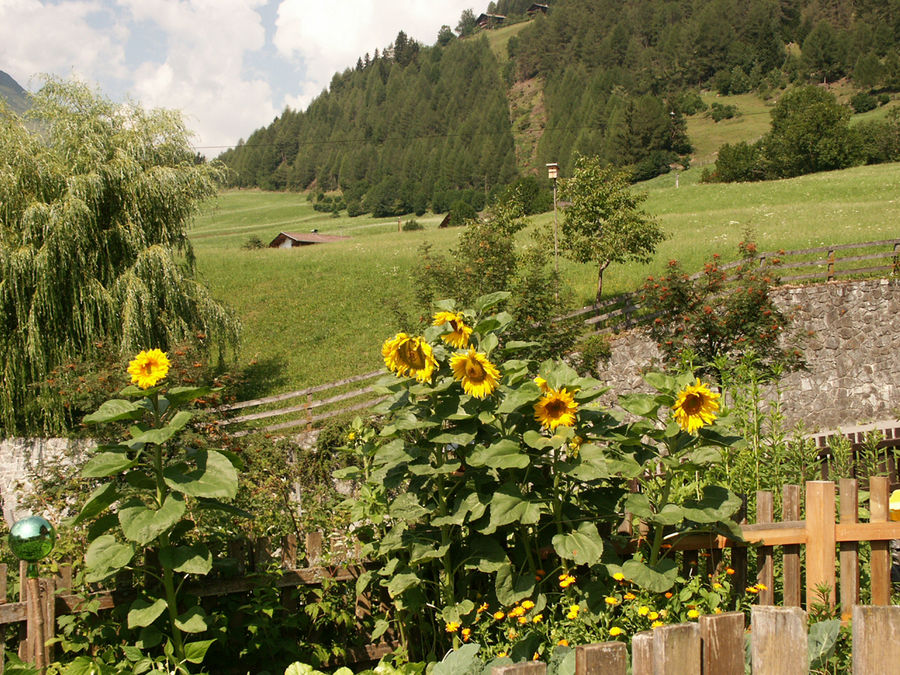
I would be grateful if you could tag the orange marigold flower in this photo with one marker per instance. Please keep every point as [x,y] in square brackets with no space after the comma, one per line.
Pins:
[528,604]
[563,643]
[629,596]
[499,616]
[729,571]
[611,600]
[466,634]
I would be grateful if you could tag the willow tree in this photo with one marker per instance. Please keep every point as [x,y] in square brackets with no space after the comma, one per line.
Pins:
[95,200]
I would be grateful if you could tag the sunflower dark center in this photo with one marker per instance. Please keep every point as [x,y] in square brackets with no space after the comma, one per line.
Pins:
[556,407]
[412,355]
[474,371]
[693,404]
[147,368]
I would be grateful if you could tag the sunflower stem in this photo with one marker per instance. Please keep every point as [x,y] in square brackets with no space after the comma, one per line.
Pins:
[658,530]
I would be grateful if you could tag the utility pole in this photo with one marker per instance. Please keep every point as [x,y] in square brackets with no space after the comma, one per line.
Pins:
[553,174]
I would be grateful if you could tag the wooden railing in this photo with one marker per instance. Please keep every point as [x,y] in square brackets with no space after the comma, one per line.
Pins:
[617,313]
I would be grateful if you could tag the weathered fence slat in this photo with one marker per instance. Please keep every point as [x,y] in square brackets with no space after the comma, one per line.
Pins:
[765,513]
[790,510]
[676,649]
[603,658]
[778,641]
[879,488]
[528,668]
[849,550]
[642,653]
[722,643]
[820,553]
[876,640]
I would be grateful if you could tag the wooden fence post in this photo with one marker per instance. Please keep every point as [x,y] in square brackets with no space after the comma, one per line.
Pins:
[830,275]
[765,513]
[879,488]
[876,640]
[3,590]
[642,653]
[722,643]
[739,554]
[603,658]
[676,649]
[820,542]
[790,510]
[778,641]
[849,550]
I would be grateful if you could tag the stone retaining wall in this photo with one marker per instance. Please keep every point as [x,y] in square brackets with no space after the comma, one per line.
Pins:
[852,354]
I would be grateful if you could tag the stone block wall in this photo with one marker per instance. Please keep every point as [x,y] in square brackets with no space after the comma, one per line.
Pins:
[852,353]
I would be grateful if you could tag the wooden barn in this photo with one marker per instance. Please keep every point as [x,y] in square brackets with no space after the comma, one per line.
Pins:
[488,21]
[292,239]
[537,8]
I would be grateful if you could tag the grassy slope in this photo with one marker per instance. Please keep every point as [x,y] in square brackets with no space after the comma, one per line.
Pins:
[319,313]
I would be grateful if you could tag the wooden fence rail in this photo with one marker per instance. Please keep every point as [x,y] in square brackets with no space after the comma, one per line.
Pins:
[715,646]
[612,314]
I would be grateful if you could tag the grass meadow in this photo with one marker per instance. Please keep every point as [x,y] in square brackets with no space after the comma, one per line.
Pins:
[315,314]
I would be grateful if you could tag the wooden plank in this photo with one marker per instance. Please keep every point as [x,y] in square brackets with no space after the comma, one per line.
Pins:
[13,612]
[820,545]
[314,542]
[302,392]
[778,641]
[876,640]
[527,668]
[603,658]
[676,649]
[312,420]
[722,643]
[884,531]
[48,615]
[739,555]
[298,408]
[642,653]
[849,550]
[289,552]
[879,491]
[765,575]
[790,510]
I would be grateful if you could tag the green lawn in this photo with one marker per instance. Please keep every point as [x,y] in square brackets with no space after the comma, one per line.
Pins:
[320,313]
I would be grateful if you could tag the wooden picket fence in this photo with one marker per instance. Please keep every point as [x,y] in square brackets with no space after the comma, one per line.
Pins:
[714,645]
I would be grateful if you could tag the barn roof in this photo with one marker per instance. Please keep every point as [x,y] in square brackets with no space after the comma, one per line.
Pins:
[306,238]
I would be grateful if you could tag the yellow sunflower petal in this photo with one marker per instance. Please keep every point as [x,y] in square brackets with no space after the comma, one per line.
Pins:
[148,368]
[405,355]
[695,407]
[479,376]
[458,337]
[556,408]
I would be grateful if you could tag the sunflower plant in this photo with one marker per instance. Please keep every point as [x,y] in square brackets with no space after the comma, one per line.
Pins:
[141,513]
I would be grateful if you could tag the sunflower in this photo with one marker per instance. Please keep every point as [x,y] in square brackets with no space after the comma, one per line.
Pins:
[148,368]
[542,383]
[695,407]
[478,375]
[556,407]
[411,356]
[459,335]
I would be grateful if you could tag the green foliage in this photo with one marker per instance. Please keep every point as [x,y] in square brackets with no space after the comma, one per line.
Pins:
[94,216]
[461,213]
[738,163]
[604,223]
[863,102]
[719,111]
[881,138]
[710,317]
[465,500]
[155,484]
[593,350]
[412,224]
[253,243]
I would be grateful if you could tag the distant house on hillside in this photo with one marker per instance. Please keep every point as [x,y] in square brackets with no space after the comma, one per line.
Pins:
[292,239]
[489,20]
[536,8]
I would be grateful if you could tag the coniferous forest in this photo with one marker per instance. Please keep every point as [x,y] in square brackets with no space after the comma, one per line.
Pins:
[417,127]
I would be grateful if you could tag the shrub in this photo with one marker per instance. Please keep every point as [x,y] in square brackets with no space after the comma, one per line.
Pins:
[412,224]
[252,243]
[461,212]
[593,350]
[863,102]
[689,102]
[740,162]
[722,111]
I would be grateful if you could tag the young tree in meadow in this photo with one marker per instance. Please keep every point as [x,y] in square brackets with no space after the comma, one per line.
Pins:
[604,222]
[94,209]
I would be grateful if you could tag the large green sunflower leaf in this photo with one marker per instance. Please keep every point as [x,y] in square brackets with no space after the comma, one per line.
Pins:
[583,546]
[142,525]
[143,612]
[718,504]
[508,505]
[504,454]
[512,587]
[192,621]
[193,559]
[485,302]
[105,464]
[657,579]
[98,501]
[115,410]
[105,556]
[402,582]
[215,477]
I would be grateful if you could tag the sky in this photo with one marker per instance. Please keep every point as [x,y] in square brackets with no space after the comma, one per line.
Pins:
[230,66]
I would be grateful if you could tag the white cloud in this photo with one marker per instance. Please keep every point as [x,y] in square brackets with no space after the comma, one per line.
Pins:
[59,38]
[329,37]
[202,71]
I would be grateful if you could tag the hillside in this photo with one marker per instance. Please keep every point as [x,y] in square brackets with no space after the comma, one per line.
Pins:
[418,127]
[13,94]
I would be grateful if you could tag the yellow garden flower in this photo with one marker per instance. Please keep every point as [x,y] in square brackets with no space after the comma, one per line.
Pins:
[615,630]
[523,620]
[451,626]
[762,587]
[573,612]
[148,368]
[611,600]
[466,634]
[695,407]
[556,408]
[536,657]
[693,614]
[563,643]
[516,611]
[482,608]
[537,618]
[459,335]
[542,384]
[618,576]
[566,580]
[716,585]
[499,616]
[653,616]
[752,589]
[405,355]
[656,624]
[629,596]
[501,654]
[478,375]
[527,604]
[643,610]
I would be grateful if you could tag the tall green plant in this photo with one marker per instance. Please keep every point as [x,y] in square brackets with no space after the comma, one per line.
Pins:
[141,515]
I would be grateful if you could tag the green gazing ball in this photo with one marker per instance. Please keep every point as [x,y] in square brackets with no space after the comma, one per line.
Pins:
[32,538]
